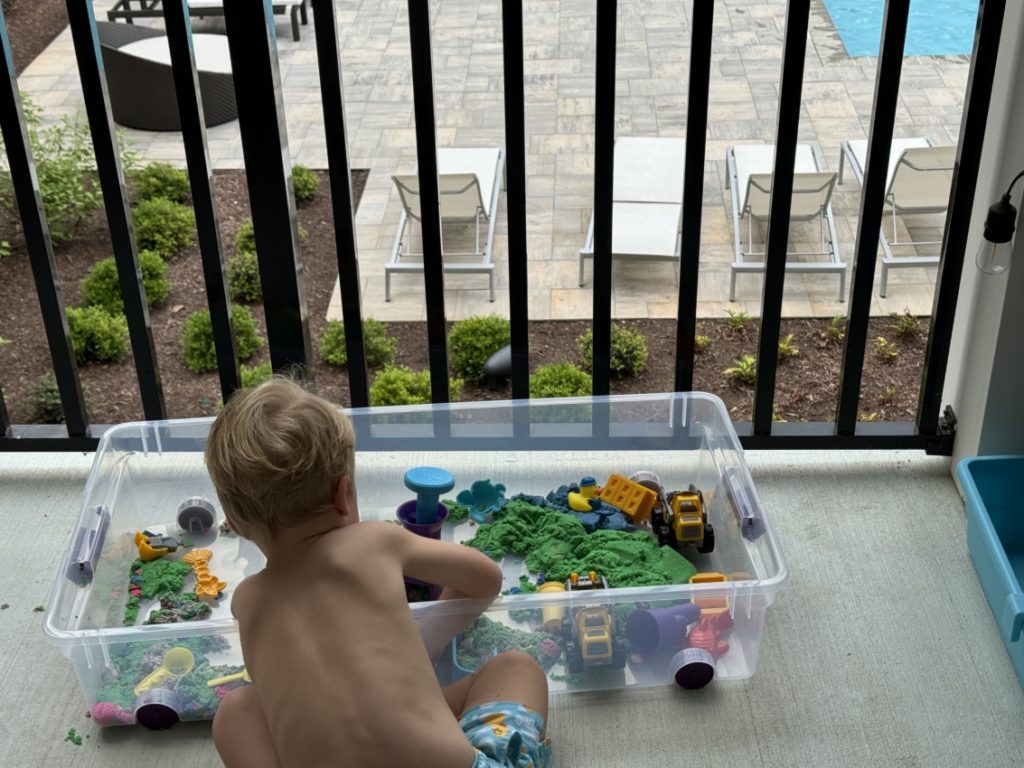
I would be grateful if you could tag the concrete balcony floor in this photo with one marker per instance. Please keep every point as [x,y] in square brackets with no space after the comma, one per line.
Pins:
[882,652]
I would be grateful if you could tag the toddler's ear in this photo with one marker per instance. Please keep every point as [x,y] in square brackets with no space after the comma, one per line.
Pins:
[344,494]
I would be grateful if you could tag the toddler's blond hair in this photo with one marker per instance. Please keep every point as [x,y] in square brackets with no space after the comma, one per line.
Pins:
[276,453]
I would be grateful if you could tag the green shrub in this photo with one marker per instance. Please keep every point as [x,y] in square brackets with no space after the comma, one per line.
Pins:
[787,348]
[743,369]
[473,340]
[197,338]
[255,375]
[161,180]
[380,347]
[245,237]
[100,288]
[737,320]
[836,330]
[306,183]
[65,167]
[244,278]
[560,380]
[163,226]
[701,343]
[5,248]
[403,386]
[97,335]
[905,326]
[886,350]
[629,351]
[44,401]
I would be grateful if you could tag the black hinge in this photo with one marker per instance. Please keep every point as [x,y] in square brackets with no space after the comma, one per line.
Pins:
[942,443]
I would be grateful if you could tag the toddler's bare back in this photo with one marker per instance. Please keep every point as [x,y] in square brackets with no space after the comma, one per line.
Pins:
[337,660]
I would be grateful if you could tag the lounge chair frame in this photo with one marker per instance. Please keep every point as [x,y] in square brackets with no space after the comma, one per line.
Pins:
[898,207]
[453,184]
[128,10]
[820,183]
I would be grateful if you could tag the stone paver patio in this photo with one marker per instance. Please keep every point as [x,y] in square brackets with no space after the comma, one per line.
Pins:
[652,70]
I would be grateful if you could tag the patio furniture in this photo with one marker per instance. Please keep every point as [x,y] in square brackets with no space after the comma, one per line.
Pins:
[918,182]
[140,83]
[749,176]
[129,10]
[469,183]
[647,201]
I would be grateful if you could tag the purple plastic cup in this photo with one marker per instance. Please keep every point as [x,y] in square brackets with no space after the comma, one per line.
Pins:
[416,590]
[649,630]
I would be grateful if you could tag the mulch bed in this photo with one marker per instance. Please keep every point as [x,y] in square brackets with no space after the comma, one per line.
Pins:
[806,384]
[32,24]
[805,389]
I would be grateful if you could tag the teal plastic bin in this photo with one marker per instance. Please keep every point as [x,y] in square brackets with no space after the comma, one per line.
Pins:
[993,487]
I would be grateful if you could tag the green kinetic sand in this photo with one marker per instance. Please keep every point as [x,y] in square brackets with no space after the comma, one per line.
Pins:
[557,545]
[151,580]
[485,638]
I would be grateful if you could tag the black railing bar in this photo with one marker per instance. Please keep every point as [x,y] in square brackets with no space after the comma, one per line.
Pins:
[958,216]
[346,245]
[780,205]
[515,175]
[252,44]
[115,200]
[5,417]
[430,207]
[604,189]
[883,117]
[200,175]
[701,28]
[40,246]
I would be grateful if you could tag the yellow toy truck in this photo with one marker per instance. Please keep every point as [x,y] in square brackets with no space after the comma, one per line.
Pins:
[681,518]
[589,633]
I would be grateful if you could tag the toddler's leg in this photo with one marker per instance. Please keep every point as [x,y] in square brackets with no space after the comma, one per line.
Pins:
[240,731]
[509,676]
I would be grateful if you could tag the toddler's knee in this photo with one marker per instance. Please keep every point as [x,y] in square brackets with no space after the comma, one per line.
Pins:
[517,662]
[233,711]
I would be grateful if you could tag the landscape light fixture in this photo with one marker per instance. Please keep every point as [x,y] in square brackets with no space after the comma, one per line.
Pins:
[994,254]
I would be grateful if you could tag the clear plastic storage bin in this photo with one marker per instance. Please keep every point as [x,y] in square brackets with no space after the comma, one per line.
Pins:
[150,477]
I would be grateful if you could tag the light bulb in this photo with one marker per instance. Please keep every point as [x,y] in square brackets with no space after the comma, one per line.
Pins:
[994,258]
[994,254]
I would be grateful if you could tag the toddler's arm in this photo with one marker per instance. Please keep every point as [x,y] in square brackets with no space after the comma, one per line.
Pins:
[462,571]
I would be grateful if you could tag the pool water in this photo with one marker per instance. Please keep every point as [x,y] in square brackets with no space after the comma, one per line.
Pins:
[935,27]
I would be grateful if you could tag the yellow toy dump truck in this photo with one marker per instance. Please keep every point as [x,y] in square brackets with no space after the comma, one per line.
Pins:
[681,518]
[589,633]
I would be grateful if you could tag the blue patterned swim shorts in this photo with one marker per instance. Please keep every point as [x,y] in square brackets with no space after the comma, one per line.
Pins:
[506,735]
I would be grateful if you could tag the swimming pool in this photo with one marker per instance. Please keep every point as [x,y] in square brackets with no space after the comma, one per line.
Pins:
[935,27]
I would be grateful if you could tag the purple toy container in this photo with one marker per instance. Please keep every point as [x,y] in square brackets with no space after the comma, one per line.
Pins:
[416,590]
[650,630]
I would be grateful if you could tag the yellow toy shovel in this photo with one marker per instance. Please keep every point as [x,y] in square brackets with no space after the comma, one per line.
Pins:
[177,663]
[243,675]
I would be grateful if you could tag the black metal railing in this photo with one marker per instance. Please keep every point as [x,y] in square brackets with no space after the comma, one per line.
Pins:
[252,44]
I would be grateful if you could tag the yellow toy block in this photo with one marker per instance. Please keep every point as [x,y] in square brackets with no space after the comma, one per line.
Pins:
[635,500]
[710,606]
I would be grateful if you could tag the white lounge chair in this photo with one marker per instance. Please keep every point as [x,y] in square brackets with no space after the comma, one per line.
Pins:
[647,201]
[469,183]
[749,176]
[919,180]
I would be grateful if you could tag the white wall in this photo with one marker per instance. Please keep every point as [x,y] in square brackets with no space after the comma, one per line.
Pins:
[985,377]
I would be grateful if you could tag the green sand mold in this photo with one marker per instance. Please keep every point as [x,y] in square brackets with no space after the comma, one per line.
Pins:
[556,544]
